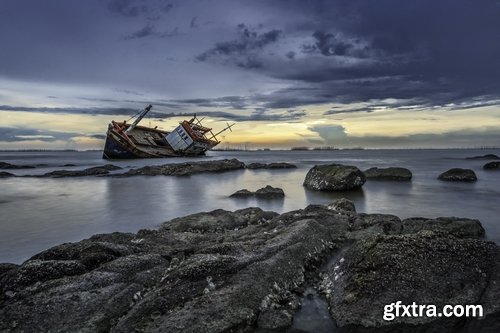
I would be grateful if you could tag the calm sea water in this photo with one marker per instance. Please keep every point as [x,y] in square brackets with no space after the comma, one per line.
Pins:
[36,214]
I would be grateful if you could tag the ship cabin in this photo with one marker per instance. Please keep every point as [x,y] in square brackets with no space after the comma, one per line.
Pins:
[190,138]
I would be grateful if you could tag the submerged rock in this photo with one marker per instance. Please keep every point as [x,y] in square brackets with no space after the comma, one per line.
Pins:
[391,173]
[186,169]
[244,193]
[276,165]
[5,165]
[245,270]
[484,157]
[4,174]
[334,177]
[492,166]
[94,171]
[267,192]
[457,174]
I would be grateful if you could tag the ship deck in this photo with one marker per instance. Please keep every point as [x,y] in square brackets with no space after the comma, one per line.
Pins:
[151,142]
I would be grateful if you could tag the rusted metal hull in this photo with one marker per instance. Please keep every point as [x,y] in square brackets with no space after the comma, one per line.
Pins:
[189,138]
[119,145]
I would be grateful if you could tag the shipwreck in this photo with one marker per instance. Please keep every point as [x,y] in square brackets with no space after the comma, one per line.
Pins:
[189,138]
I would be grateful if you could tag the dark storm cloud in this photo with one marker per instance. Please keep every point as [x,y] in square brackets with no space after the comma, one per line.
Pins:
[235,102]
[129,8]
[258,114]
[439,52]
[194,22]
[97,136]
[167,7]
[328,44]
[337,111]
[243,51]
[423,54]
[149,30]
[146,31]
[90,111]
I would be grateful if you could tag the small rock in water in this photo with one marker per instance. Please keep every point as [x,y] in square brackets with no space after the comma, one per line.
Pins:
[4,174]
[484,157]
[392,173]
[458,174]
[5,165]
[267,192]
[492,166]
[244,193]
[276,165]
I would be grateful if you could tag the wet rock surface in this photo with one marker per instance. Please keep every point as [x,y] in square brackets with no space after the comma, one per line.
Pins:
[5,165]
[246,270]
[425,268]
[458,175]
[484,157]
[94,171]
[277,165]
[267,192]
[391,173]
[458,227]
[492,166]
[5,174]
[244,193]
[186,169]
[334,177]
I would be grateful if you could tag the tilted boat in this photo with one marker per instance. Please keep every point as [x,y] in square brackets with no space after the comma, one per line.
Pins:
[190,138]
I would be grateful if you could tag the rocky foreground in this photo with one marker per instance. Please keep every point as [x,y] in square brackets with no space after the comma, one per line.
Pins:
[246,271]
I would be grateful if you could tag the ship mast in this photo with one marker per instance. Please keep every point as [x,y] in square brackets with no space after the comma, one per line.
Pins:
[228,127]
[139,118]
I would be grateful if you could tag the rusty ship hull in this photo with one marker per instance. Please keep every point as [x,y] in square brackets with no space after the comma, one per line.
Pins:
[128,141]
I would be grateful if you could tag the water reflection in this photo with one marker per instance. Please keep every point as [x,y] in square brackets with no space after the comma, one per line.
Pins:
[38,213]
[323,197]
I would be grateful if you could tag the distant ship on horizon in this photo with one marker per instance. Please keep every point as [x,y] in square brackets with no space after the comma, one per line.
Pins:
[189,138]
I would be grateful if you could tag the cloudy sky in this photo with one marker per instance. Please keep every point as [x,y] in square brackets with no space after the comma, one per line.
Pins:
[345,73]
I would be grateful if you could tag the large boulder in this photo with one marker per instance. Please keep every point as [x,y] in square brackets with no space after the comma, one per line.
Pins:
[459,175]
[334,177]
[210,272]
[391,173]
[247,271]
[427,268]
[492,166]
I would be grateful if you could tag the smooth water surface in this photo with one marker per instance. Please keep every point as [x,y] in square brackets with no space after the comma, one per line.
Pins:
[37,213]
